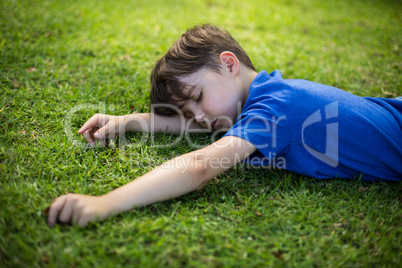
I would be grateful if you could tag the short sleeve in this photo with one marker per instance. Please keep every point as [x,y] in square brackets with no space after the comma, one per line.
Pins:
[263,119]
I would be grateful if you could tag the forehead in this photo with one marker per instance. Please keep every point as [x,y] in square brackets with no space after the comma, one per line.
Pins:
[192,80]
[187,84]
[183,91]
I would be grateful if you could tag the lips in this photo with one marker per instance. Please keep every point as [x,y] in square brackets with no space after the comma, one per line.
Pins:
[213,124]
[205,124]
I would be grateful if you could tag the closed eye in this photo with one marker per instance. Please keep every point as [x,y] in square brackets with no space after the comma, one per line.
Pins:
[188,115]
[199,97]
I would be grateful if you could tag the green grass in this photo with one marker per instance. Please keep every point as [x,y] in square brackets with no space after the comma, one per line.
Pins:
[58,55]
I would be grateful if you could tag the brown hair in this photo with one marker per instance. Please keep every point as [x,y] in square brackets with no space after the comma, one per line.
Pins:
[198,48]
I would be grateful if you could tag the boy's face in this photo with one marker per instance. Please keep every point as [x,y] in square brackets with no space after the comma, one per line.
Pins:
[216,99]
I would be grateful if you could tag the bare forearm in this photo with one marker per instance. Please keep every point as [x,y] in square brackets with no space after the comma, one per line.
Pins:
[176,177]
[165,182]
[181,175]
[149,122]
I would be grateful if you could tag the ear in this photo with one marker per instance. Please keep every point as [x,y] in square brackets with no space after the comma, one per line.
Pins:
[230,61]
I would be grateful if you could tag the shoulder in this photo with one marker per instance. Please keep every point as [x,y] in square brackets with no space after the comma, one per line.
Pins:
[268,95]
[263,81]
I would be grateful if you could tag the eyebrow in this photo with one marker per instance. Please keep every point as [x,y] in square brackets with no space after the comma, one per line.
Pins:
[180,106]
[191,89]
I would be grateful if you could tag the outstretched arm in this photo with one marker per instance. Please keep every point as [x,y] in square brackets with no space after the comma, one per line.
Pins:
[174,178]
[102,126]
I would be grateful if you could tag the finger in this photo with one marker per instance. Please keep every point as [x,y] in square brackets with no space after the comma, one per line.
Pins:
[66,214]
[107,130]
[76,215]
[87,135]
[88,124]
[85,219]
[102,132]
[99,139]
[95,121]
[55,207]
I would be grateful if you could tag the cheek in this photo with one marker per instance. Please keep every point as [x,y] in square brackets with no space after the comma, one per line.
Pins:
[221,108]
[221,103]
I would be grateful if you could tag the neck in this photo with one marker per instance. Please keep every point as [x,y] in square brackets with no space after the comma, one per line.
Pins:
[247,76]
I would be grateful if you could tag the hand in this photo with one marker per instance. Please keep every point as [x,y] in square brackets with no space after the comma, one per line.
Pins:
[78,209]
[102,126]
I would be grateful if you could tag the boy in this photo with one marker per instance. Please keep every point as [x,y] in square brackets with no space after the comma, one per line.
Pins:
[316,130]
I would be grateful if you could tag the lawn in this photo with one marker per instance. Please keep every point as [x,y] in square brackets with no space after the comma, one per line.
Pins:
[63,61]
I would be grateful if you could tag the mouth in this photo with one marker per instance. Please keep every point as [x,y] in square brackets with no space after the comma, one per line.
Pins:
[213,124]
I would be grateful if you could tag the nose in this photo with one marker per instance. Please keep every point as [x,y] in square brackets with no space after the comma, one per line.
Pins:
[197,112]
[199,118]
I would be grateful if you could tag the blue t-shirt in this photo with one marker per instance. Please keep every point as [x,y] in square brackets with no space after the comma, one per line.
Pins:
[321,131]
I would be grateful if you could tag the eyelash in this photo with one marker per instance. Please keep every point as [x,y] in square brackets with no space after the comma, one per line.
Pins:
[199,97]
